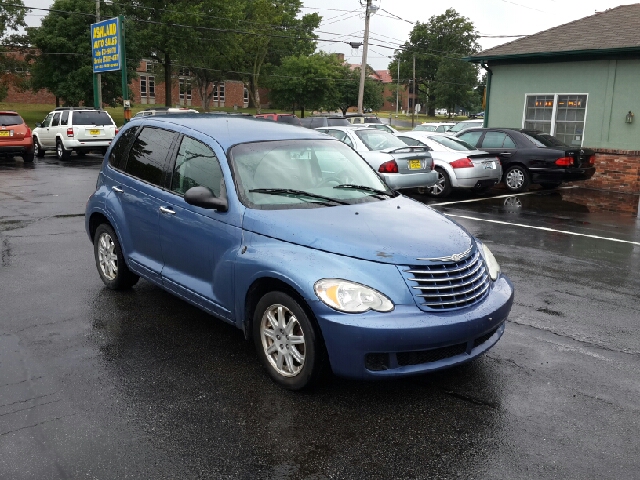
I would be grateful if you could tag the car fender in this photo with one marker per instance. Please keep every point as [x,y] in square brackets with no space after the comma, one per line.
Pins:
[448,169]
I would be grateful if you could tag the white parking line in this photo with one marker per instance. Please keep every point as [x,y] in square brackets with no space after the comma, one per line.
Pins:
[546,229]
[491,198]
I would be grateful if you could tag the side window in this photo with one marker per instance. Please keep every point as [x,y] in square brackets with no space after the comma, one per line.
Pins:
[119,152]
[441,129]
[64,120]
[47,120]
[347,141]
[509,143]
[148,154]
[56,120]
[471,137]
[316,123]
[196,166]
[336,134]
[494,140]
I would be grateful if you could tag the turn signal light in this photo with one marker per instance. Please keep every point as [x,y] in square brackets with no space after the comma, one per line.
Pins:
[69,132]
[592,160]
[388,167]
[462,163]
[564,161]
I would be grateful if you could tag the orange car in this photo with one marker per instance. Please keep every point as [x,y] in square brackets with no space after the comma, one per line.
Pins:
[15,137]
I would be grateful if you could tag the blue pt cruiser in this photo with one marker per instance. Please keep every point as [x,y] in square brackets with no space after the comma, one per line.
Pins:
[291,236]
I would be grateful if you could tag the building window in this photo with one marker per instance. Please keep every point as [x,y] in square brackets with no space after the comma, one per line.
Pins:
[143,86]
[560,115]
[185,88]
[221,89]
[150,66]
[410,103]
[152,87]
[246,95]
[215,93]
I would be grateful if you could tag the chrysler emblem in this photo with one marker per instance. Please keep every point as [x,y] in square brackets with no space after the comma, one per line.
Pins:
[456,257]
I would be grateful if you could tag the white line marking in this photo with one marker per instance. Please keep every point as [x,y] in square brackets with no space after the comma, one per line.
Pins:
[546,229]
[491,198]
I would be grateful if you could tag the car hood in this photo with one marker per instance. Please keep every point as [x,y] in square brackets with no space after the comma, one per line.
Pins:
[396,231]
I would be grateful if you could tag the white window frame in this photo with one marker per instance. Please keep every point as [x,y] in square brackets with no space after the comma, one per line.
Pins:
[555,110]
[221,89]
[143,90]
[151,80]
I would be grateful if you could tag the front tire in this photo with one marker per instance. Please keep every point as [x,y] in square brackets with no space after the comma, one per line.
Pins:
[61,152]
[110,261]
[287,341]
[37,148]
[442,187]
[517,179]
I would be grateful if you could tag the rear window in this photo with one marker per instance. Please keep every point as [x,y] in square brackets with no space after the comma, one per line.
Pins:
[372,120]
[376,140]
[453,143]
[337,122]
[543,140]
[462,125]
[7,119]
[91,118]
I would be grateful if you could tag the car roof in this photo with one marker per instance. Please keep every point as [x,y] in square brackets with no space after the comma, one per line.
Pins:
[230,130]
[8,112]
[350,128]
[437,123]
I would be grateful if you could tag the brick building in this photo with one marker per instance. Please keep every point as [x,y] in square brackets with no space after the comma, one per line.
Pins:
[406,98]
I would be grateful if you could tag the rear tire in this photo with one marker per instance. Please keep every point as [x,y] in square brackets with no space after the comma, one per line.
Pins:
[61,152]
[442,188]
[110,261]
[288,342]
[28,157]
[37,148]
[516,179]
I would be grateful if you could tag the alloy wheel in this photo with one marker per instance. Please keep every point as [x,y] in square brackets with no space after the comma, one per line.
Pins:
[107,258]
[59,149]
[438,187]
[515,179]
[283,340]
[36,149]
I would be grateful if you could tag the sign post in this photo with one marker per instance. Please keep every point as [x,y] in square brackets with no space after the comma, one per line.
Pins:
[108,54]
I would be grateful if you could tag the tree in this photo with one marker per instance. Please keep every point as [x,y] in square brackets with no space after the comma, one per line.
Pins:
[11,18]
[454,84]
[305,81]
[348,90]
[443,37]
[272,31]
[62,59]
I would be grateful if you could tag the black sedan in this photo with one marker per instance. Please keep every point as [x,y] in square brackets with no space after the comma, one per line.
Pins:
[530,156]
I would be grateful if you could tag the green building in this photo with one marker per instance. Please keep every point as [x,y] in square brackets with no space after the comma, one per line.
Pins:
[579,82]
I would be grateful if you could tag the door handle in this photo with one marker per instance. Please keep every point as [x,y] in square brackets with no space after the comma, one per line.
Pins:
[167,210]
[505,154]
[116,189]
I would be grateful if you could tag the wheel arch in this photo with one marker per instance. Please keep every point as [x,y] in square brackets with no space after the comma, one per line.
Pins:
[95,220]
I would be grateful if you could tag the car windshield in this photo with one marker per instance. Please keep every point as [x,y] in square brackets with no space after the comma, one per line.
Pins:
[8,119]
[453,143]
[91,118]
[375,139]
[426,128]
[543,140]
[462,125]
[337,122]
[289,174]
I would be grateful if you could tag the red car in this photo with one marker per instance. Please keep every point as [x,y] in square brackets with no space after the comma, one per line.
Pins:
[281,117]
[15,137]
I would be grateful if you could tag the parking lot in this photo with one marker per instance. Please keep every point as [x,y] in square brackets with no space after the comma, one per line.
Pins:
[103,384]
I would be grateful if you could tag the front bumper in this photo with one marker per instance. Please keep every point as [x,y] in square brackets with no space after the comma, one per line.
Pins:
[408,341]
[410,180]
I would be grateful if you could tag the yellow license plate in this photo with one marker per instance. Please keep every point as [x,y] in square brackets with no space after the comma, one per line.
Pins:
[94,132]
[4,133]
[414,165]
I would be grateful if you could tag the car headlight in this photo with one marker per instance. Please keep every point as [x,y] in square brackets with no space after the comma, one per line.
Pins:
[351,297]
[492,263]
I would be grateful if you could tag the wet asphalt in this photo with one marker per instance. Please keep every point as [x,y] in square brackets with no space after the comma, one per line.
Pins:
[102,384]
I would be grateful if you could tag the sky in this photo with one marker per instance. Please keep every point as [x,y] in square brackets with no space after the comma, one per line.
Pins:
[344,20]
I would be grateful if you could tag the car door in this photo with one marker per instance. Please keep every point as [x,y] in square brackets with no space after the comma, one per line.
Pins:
[500,144]
[46,136]
[134,200]
[198,244]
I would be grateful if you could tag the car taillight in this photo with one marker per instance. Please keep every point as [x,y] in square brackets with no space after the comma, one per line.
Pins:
[69,132]
[388,167]
[28,134]
[117,131]
[433,164]
[592,160]
[564,161]
[462,163]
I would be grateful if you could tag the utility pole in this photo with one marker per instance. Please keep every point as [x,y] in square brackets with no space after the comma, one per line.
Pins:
[413,110]
[363,66]
[98,76]
[397,86]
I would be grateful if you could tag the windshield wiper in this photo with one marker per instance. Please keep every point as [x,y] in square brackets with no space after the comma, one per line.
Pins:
[297,193]
[363,188]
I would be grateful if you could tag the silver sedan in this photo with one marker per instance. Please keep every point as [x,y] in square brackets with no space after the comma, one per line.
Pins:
[459,165]
[399,165]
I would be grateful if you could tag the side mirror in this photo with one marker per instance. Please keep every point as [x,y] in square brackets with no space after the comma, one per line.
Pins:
[203,198]
[38,125]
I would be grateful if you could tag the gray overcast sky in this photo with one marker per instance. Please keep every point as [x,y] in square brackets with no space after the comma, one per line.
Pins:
[344,20]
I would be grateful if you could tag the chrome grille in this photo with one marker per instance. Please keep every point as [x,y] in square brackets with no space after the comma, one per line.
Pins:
[446,286]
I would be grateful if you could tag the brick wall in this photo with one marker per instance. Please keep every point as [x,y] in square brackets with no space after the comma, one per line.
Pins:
[616,171]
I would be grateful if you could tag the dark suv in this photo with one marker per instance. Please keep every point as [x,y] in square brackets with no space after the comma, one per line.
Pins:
[288,118]
[321,121]
[531,156]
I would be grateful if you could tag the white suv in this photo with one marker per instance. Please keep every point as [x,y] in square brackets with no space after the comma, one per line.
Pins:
[70,129]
